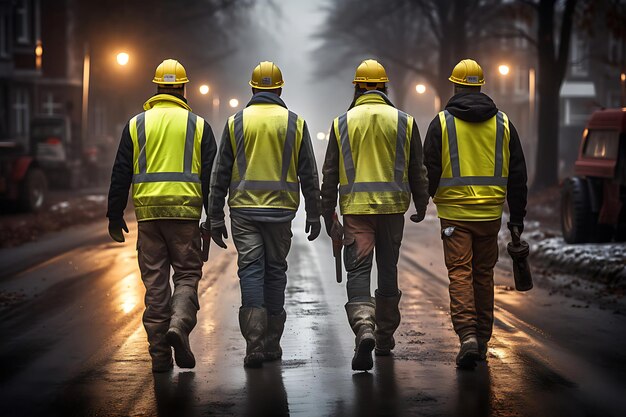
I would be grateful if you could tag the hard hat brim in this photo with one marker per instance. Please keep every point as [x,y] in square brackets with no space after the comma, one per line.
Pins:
[265,87]
[185,81]
[456,81]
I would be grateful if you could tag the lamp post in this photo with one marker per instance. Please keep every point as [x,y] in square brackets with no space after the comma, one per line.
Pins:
[421,89]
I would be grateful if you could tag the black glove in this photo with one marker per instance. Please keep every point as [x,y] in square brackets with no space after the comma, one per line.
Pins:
[115,229]
[314,227]
[328,223]
[205,233]
[517,224]
[418,216]
[217,233]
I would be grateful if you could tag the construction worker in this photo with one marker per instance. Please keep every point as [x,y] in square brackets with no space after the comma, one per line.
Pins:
[166,152]
[374,158]
[264,156]
[475,161]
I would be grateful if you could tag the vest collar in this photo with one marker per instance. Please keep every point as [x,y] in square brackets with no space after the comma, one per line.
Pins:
[372,97]
[166,100]
[266,98]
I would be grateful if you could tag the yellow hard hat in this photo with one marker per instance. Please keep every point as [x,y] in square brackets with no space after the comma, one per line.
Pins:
[266,76]
[170,72]
[370,71]
[467,72]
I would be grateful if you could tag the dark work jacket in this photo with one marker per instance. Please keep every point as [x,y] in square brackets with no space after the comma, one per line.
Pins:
[478,107]
[330,171]
[222,175]
[122,174]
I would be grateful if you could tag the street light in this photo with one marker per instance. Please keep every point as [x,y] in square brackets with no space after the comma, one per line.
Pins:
[504,69]
[233,103]
[321,136]
[420,88]
[204,89]
[123,58]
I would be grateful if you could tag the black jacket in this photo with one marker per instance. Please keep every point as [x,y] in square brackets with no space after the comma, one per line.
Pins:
[223,167]
[122,173]
[478,107]
[418,181]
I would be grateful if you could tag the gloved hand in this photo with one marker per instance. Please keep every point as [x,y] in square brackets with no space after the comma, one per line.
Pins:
[115,229]
[517,224]
[217,233]
[205,233]
[418,216]
[334,228]
[314,227]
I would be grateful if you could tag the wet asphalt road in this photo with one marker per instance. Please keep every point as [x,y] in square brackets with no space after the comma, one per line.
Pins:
[73,344]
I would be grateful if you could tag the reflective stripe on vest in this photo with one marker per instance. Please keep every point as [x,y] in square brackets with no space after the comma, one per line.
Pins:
[475,166]
[266,140]
[165,186]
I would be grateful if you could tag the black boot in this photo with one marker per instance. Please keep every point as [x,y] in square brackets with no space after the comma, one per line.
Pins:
[160,350]
[387,321]
[179,340]
[468,353]
[361,319]
[253,325]
[275,327]
[184,319]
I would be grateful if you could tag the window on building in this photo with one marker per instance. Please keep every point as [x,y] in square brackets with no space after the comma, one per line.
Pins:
[602,144]
[22,21]
[579,56]
[576,112]
[4,34]
[21,110]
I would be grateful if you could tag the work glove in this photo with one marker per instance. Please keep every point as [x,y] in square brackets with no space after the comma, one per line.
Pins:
[516,225]
[115,229]
[218,234]
[314,227]
[418,216]
[205,233]
[334,229]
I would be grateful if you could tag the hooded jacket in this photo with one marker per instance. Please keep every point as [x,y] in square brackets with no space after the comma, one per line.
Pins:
[478,107]
[122,173]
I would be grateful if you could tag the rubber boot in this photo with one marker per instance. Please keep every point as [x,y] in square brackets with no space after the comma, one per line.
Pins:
[253,325]
[387,321]
[160,350]
[468,353]
[275,328]
[184,319]
[361,318]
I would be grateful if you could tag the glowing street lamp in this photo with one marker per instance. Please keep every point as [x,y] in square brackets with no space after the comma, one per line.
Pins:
[123,58]
[321,136]
[504,69]
[204,89]
[233,103]
[420,88]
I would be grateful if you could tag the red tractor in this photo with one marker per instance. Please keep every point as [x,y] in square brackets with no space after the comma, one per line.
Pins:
[592,202]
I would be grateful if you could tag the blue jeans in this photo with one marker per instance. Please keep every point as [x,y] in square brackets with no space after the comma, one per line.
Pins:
[262,249]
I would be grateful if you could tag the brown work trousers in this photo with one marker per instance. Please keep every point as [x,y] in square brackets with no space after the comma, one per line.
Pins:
[162,244]
[362,234]
[471,252]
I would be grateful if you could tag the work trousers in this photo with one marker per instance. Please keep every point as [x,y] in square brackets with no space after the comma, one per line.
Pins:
[162,244]
[471,252]
[362,234]
[262,249]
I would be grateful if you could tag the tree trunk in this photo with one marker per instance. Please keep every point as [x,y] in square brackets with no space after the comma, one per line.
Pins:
[547,156]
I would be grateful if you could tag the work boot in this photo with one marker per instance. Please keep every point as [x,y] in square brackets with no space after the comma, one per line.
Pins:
[275,327]
[361,318]
[160,351]
[179,340]
[160,366]
[387,321]
[468,353]
[253,325]
[482,350]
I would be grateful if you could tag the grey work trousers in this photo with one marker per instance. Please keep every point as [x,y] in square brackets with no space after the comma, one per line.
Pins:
[162,244]
[362,234]
[262,249]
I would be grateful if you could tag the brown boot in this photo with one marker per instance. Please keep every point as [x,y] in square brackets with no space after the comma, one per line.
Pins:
[253,325]
[361,318]
[275,327]
[468,353]
[387,321]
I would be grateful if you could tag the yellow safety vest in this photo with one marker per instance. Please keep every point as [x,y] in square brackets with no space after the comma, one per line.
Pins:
[374,142]
[166,160]
[475,168]
[266,140]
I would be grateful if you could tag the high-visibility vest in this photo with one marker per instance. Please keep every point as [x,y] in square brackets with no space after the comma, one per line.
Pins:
[374,142]
[166,160]
[266,140]
[475,168]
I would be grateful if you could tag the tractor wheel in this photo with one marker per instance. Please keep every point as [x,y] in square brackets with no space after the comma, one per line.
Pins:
[33,190]
[577,219]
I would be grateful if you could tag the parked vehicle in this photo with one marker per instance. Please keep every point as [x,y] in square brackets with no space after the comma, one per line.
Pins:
[593,205]
[22,180]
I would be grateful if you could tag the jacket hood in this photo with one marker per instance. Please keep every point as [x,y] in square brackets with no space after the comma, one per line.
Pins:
[472,107]
[166,99]
[266,98]
[372,96]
